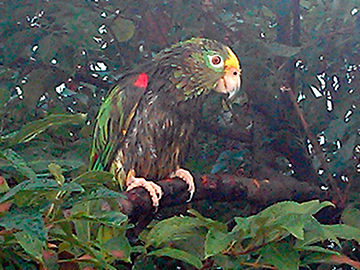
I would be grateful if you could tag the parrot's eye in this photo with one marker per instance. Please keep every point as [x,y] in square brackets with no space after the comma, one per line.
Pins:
[216,61]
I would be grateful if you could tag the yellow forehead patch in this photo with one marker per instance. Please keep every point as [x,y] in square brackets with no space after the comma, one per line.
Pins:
[232,60]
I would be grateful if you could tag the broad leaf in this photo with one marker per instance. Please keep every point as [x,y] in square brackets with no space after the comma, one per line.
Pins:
[173,229]
[179,255]
[94,178]
[31,244]
[217,242]
[281,255]
[123,29]
[32,129]
[316,232]
[31,235]
[31,185]
[111,218]
[118,247]
[19,163]
[344,231]
[351,217]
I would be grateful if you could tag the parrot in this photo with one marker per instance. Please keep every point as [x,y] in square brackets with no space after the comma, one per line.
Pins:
[147,122]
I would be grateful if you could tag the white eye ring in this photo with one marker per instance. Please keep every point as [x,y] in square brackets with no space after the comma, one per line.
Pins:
[216,61]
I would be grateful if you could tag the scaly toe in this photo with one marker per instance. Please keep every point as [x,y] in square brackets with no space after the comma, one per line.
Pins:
[153,189]
[188,178]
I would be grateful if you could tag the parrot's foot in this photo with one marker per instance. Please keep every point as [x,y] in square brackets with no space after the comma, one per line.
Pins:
[188,178]
[154,190]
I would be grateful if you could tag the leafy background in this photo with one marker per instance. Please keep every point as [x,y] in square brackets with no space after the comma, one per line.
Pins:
[59,59]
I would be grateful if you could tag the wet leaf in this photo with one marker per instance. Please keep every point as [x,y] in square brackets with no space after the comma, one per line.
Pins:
[4,187]
[343,231]
[94,178]
[217,242]
[281,255]
[31,233]
[294,224]
[179,255]
[119,247]
[31,244]
[351,217]
[285,216]
[31,185]
[111,218]
[19,163]
[319,249]
[32,129]
[316,232]
[123,29]
[172,229]
[289,207]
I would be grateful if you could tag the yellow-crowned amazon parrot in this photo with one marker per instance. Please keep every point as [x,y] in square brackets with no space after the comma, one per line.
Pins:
[145,124]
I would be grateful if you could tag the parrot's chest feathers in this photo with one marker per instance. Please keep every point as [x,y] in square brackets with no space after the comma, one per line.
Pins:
[157,139]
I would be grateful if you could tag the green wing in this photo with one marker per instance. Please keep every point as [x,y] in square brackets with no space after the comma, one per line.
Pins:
[112,122]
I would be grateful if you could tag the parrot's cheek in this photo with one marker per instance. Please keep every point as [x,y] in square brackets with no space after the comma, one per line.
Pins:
[230,83]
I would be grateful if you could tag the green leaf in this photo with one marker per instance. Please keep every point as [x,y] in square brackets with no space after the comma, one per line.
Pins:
[217,242]
[4,187]
[230,262]
[208,222]
[289,207]
[242,224]
[32,234]
[56,171]
[179,255]
[294,224]
[351,217]
[318,250]
[172,229]
[32,245]
[111,218]
[94,178]
[119,247]
[19,163]
[31,185]
[32,129]
[344,231]
[317,257]
[123,29]
[82,25]
[316,232]
[281,255]
[138,249]
[284,217]
[72,187]
[25,219]
[103,193]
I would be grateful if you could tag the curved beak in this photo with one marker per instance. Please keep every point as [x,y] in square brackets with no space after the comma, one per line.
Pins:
[230,83]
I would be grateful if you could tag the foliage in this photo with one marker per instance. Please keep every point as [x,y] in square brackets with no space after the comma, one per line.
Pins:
[59,58]
[53,222]
[285,235]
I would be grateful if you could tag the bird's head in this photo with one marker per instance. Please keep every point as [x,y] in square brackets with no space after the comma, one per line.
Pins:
[200,65]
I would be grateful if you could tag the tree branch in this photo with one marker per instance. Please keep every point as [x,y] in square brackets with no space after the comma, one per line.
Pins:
[219,187]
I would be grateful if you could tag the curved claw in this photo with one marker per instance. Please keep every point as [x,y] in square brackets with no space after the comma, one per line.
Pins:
[188,178]
[154,190]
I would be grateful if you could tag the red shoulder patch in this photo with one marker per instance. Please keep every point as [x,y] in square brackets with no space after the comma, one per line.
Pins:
[142,81]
